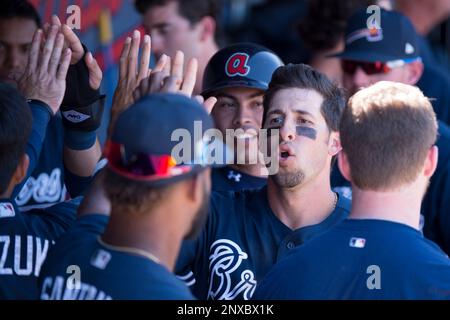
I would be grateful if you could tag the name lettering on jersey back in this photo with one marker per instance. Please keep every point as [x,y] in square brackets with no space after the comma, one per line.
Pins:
[58,289]
[22,255]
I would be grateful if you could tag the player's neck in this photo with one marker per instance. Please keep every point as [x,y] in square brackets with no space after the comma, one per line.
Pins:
[398,206]
[8,193]
[305,205]
[134,231]
[254,170]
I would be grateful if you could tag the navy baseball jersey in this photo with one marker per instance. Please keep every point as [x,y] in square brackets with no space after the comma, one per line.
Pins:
[45,186]
[25,239]
[103,273]
[49,182]
[229,179]
[242,240]
[361,259]
[436,203]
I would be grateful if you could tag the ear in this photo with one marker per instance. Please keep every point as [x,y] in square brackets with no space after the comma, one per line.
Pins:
[21,170]
[334,145]
[415,71]
[208,28]
[431,161]
[344,166]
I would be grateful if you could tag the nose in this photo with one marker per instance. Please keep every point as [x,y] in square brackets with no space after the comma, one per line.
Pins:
[243,116]
[360,78]
[157,44]
[287,131]
[14,59]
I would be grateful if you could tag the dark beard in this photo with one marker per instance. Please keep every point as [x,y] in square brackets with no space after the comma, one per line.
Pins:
[288,179]
[200,218]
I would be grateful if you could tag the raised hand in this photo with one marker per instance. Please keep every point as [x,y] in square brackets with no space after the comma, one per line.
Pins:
[72,41]
[173,79]
[44,78]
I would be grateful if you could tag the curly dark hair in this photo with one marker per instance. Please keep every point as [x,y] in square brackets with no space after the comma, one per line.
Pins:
[326,20]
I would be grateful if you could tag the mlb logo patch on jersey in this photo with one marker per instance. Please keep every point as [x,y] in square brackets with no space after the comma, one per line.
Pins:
[357,242]
[7,210]
[100,259]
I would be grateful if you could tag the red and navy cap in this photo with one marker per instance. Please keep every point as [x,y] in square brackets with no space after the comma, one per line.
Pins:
[148,133]
[393,39]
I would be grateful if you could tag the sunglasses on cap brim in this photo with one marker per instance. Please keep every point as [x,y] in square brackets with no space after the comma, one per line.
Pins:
[377,67]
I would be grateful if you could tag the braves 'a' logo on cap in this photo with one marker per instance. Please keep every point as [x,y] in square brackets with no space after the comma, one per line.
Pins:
[237,65]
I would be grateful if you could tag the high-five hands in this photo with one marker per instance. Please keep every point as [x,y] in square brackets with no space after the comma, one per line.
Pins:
[44,78]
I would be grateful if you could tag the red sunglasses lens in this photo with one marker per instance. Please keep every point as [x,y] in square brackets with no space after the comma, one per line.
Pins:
[369,68]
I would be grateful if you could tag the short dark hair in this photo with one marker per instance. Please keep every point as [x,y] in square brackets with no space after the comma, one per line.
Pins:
[15,129]
[192,10]
[19,9]
[303,76]
[325,22]
[128,195]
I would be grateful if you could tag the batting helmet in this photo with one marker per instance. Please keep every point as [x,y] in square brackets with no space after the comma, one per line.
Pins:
[240,65]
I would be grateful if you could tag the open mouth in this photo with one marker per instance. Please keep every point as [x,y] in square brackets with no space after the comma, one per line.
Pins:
[286,152]
[284,155]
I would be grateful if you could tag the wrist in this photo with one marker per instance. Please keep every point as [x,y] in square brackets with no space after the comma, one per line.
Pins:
[42,104]
[79,140]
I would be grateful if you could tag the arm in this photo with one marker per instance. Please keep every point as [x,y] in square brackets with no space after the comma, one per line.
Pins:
[43,84]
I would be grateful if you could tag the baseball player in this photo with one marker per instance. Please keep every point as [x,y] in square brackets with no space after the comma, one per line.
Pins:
[26,238]
[190,26]
[155,203]
[367,60]
[73,128]
[388,132]
[247,232]
[237,76]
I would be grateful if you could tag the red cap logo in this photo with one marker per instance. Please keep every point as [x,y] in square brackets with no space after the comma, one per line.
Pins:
[237,65]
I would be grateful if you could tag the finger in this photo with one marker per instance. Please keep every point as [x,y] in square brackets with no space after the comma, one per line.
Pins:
[170,85]
[145,58]
[159,65]
[123,64]
[167,67]
[64,66]
[95,73]
[209,104]
[133,55]
[73,41]
[155,82]
[55,20]
[48,48]
[190,77]
[137,94]
[56,55]
[144,86]
[34,51]
[199,99]
[46,28]
[177,66]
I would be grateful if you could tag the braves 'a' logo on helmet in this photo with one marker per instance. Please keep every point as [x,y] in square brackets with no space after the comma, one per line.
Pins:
[237,65]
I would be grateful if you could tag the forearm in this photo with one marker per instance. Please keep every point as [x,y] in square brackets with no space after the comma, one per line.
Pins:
[82,161]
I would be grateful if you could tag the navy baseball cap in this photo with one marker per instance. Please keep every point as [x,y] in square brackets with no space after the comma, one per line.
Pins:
[161,139]
[394,39]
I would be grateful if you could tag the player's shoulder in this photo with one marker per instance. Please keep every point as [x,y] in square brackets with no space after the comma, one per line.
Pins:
[13,220]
